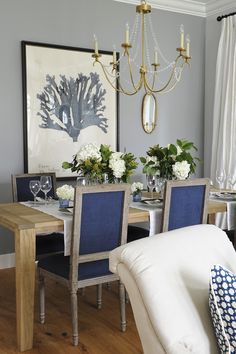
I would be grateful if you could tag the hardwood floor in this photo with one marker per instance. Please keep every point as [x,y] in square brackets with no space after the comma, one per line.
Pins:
[98,329]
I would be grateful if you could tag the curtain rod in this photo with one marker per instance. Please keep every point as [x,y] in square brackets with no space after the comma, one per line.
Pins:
[219,18]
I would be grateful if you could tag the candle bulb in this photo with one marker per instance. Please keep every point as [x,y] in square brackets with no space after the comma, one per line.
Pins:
[182,36]
[127,34]
[187,45]
[155,56]
[95,44]
[114,54]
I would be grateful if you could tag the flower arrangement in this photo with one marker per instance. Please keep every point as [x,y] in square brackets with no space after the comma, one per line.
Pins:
[65,192]
[172,161]
[136,187]
[94,162]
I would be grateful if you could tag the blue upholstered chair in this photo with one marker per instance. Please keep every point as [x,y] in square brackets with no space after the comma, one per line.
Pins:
[45,244]
[100,219]
[185,203]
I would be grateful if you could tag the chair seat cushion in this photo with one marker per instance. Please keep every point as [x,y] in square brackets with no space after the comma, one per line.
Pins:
[60,265]
[50,243]
[222,303]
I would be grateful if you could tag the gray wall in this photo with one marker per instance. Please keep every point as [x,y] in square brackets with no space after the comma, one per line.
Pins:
[213,30]
[73,23]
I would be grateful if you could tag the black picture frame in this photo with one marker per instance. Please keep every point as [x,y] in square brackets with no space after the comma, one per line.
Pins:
[67,102]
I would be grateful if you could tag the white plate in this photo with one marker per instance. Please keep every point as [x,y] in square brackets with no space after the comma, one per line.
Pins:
[152,202]
[224,196]
[66,210]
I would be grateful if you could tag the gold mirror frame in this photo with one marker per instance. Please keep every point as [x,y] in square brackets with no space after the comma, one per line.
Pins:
[149,112]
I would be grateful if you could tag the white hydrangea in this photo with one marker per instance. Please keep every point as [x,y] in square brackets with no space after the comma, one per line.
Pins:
[88,151]
[117,164]
[136,186]
[116,156]
[65,192]
[181,169]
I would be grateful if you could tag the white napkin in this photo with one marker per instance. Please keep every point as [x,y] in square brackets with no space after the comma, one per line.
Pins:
[227,220]
[155,216]
[52,209]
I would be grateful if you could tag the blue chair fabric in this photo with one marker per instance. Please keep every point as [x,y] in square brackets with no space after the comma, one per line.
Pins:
[186,206]
[60,265]
[185,203]
[101,222]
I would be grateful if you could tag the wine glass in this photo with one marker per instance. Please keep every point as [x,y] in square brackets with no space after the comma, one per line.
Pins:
[151,183]
[46,185]
[35,187]
[231,180]
[160,185]
[220,177]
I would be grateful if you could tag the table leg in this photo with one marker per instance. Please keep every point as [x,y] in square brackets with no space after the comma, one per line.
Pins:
[211,219]
[25,287]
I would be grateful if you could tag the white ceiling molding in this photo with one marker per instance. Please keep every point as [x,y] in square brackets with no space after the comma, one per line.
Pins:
[214,7]
[189,7]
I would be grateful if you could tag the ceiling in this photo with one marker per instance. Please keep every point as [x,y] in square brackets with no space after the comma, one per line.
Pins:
[202,8]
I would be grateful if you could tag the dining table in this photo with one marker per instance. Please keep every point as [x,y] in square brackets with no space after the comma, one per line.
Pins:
[25,222]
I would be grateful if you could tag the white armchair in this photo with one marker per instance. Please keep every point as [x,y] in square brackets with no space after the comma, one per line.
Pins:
[167,279]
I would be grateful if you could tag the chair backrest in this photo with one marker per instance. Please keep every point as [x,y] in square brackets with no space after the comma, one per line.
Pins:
[185,203]
[167,278]
[20,186]
[100,220]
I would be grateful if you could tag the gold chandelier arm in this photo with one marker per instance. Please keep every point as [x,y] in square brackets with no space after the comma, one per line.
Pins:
[137,88]
[120,88]
[154,79]
[151,89]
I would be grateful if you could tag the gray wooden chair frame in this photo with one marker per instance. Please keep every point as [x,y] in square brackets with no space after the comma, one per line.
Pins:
[73,283]
[15,177]
[167,198]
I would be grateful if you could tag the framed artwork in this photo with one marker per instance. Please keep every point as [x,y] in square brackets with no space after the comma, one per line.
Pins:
[67,102]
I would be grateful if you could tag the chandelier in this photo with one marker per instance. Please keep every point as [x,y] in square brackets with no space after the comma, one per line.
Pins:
[144,72]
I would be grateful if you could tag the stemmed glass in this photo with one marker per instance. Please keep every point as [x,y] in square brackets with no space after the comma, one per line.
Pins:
[220,177]
[231,181]
[160,185]
[46,185]
[151,183]
[35,187]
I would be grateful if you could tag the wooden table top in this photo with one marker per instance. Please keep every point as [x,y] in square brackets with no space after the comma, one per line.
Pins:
[16,216]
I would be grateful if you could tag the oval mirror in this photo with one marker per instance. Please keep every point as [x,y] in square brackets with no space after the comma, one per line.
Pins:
[149,112]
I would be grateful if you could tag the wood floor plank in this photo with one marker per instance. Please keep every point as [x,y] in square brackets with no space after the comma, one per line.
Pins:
[99,331]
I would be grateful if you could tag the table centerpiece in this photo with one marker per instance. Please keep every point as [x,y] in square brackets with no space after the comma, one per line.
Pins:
[99,162]
[174,161]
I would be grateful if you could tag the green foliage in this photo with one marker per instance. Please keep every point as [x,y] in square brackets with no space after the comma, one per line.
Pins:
[159,160]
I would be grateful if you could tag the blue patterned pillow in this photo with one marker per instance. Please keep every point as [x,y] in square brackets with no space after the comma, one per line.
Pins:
[222,303]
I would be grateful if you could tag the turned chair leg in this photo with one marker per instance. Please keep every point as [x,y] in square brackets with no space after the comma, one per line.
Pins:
[109,286]
[99,296]
[41,299]
[126,297]
[74,314]
[122,307]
